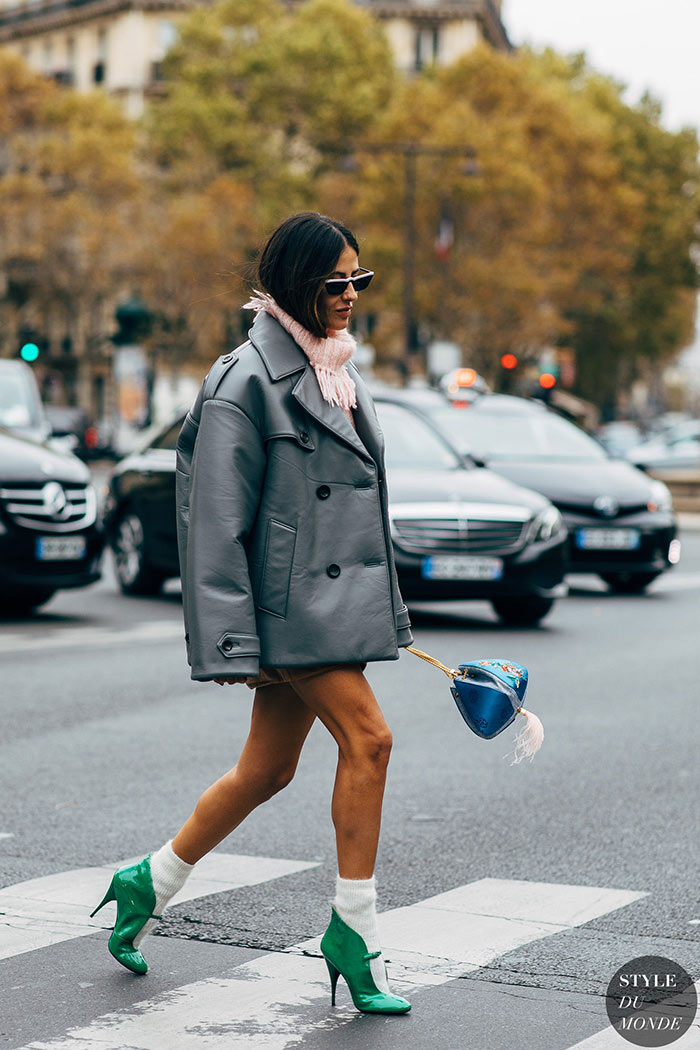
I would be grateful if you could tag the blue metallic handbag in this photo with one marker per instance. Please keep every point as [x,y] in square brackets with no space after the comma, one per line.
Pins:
[488,695]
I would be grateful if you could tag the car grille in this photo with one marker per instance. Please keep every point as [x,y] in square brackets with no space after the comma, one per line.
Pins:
[586,510]
[450,532]
[49,506]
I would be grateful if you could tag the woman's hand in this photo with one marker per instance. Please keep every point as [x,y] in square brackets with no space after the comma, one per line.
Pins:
[231,679]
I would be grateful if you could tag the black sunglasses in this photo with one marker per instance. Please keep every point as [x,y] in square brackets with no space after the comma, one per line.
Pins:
[337,285]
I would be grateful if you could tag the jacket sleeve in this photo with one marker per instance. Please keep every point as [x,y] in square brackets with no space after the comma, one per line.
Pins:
[226,483]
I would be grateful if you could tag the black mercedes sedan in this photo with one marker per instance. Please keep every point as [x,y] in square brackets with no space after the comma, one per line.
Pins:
[621,522]
[459,532]
[50,537]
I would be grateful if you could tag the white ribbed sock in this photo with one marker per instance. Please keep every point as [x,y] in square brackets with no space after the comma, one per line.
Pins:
[355,901]
[168,874]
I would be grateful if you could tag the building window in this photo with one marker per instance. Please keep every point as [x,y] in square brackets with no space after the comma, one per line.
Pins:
[99,69]
[47,55]
[102,44]
[66,75]
[436,42]
[427,45]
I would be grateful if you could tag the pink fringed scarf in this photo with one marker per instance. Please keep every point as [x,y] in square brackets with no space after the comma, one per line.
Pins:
[327,356]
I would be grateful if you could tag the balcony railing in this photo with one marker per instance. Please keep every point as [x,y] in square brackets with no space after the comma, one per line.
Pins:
[15,17]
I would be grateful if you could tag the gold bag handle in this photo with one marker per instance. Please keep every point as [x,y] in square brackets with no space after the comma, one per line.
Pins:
[449,671]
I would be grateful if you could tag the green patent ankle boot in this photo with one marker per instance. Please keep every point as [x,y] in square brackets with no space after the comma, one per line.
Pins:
[346,953]
[132,889]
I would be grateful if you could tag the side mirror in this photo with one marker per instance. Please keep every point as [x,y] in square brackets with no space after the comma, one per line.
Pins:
[470,460]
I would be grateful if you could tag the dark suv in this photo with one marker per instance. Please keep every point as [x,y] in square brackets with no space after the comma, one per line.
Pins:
[49,534]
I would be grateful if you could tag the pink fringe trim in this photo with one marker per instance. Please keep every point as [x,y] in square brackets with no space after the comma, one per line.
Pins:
[327,356]
[529,739]
[338,389]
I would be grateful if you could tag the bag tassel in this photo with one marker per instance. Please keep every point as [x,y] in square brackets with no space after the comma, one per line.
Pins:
[529,739]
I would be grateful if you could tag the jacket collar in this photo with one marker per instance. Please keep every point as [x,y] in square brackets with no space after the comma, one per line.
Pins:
[282,357]
[280,353]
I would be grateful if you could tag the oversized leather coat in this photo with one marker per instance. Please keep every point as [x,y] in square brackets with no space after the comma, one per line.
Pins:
[283,531]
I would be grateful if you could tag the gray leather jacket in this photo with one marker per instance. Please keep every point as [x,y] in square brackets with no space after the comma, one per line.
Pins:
[283,532]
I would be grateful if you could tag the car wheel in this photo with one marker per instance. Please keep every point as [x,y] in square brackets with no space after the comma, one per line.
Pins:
[23,601]
[134,573]
[522,612]
[629,582]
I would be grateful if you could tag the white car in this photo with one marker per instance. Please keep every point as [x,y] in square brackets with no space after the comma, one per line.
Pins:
[678,448]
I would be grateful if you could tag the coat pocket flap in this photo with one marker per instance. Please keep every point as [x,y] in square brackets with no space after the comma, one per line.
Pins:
[302,438]
[277,568]
[233,644]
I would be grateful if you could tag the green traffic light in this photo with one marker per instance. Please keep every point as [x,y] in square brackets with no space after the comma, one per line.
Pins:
[29,352]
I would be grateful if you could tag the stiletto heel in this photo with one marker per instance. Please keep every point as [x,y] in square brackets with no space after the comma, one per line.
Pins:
[110,895]
[132,889]
[334,975]
[346,953]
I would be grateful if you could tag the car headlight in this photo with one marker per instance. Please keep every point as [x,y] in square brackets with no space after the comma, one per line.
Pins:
[661,498]
[547,524]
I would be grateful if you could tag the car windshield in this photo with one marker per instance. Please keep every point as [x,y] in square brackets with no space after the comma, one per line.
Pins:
[410,443]
[18,408]
[523,435]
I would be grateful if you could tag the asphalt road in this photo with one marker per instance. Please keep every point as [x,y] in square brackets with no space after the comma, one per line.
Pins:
[106,745]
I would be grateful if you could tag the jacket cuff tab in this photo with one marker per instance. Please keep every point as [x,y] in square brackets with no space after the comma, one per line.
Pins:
[231,644]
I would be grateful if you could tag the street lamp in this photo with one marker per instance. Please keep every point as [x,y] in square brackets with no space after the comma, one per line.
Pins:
[410,152]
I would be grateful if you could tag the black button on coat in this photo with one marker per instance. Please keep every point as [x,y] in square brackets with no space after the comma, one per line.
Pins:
[274,573]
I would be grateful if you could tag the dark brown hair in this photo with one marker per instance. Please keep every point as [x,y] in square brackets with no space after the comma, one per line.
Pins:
[297,259]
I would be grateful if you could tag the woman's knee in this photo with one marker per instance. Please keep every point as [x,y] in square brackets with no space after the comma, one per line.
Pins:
[268,782]
[371,747]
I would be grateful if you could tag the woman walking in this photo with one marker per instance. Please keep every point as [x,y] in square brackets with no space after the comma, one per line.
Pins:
[289,586]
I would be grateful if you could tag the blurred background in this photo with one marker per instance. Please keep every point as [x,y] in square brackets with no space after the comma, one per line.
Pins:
[526,214]
[530,211]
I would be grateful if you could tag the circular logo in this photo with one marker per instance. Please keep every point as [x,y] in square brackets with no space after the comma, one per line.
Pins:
[651,1001]
[607,506]
[55,500]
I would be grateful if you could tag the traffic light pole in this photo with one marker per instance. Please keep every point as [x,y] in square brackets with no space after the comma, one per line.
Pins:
[410,152]
[409,227]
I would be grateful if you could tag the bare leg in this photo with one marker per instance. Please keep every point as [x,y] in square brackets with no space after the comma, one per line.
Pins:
[280,723]
[343,700]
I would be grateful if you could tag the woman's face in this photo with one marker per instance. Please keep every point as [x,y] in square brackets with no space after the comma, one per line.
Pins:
[334,310]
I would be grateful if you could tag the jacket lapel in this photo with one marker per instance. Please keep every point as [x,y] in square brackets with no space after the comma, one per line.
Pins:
[283,356]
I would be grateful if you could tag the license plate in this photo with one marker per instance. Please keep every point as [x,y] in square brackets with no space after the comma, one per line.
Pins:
[60,548]
[608,539]
[460,567]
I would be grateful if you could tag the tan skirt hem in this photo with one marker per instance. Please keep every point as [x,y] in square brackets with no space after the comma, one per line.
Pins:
[277,675]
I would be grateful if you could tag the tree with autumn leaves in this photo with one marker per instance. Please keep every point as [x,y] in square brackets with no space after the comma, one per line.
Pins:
[575,229]
[68,189]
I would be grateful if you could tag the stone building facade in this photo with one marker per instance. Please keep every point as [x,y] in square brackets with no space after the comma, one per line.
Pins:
[118,45]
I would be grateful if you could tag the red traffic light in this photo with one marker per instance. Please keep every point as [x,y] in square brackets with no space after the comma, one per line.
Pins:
[547,380]
[509,361]
[91,437]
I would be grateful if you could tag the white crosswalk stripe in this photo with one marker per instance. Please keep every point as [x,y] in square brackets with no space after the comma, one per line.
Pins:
[56,908]
[681,581]
[609,1039]
[275,1001]
[90,636]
